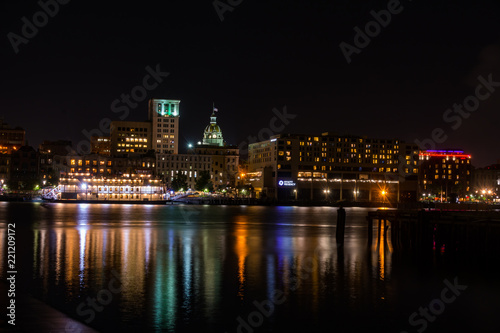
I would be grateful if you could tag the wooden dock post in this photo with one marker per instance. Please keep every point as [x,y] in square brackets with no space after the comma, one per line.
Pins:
[370,229]
[340,226]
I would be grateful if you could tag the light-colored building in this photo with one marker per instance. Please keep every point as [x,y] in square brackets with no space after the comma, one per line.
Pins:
[130,137]
[164,117]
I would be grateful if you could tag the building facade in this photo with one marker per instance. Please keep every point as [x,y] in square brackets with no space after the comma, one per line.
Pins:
[164,117]
[446,174]
[11,139]
[332,167]
[486,180]
[130,137]
[130,187]
[102,144]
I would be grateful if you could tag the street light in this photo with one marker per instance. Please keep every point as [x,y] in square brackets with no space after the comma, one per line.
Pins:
[84,187]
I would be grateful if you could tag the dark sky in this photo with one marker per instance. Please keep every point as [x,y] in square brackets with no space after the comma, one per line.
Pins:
[263,55]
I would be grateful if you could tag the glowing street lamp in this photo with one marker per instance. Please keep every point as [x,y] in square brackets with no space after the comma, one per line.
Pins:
[84,187]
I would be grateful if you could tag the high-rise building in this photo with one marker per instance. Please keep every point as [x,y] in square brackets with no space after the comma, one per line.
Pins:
[445,173]
[164,117]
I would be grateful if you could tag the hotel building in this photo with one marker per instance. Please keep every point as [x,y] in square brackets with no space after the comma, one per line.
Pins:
[445,174]
[333,167]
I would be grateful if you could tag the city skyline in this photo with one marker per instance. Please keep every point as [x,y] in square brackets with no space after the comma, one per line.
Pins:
[415,67]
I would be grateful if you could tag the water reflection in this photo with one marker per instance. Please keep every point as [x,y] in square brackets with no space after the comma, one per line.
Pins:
[176,275]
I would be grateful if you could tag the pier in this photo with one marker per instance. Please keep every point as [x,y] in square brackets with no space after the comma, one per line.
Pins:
[458,231]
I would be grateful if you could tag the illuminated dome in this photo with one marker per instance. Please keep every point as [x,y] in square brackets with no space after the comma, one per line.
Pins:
[213,134]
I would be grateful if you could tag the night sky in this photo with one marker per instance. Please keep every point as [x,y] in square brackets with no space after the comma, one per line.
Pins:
[263,55]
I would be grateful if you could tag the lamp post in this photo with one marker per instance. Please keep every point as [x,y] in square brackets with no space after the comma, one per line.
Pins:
[326,194]
[84,187]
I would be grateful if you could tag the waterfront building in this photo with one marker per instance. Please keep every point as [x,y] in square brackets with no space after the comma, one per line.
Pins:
[11,139]
[129,138]
[128,187]
[164,117]
[445,174]
[333,167]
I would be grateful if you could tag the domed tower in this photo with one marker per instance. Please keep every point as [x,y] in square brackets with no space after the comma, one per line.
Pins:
[213,134]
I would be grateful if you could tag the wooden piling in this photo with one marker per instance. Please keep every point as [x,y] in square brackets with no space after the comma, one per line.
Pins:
[340,226]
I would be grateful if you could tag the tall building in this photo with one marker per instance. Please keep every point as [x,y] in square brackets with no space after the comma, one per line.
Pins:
[332,167]
[445,173]
[164,117]
[11,139]
[130,137]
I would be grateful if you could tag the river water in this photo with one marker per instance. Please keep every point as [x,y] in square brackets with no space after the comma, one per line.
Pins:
[137,268]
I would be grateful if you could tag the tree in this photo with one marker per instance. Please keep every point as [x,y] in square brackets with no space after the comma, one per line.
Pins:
[203,182]
[179,182]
